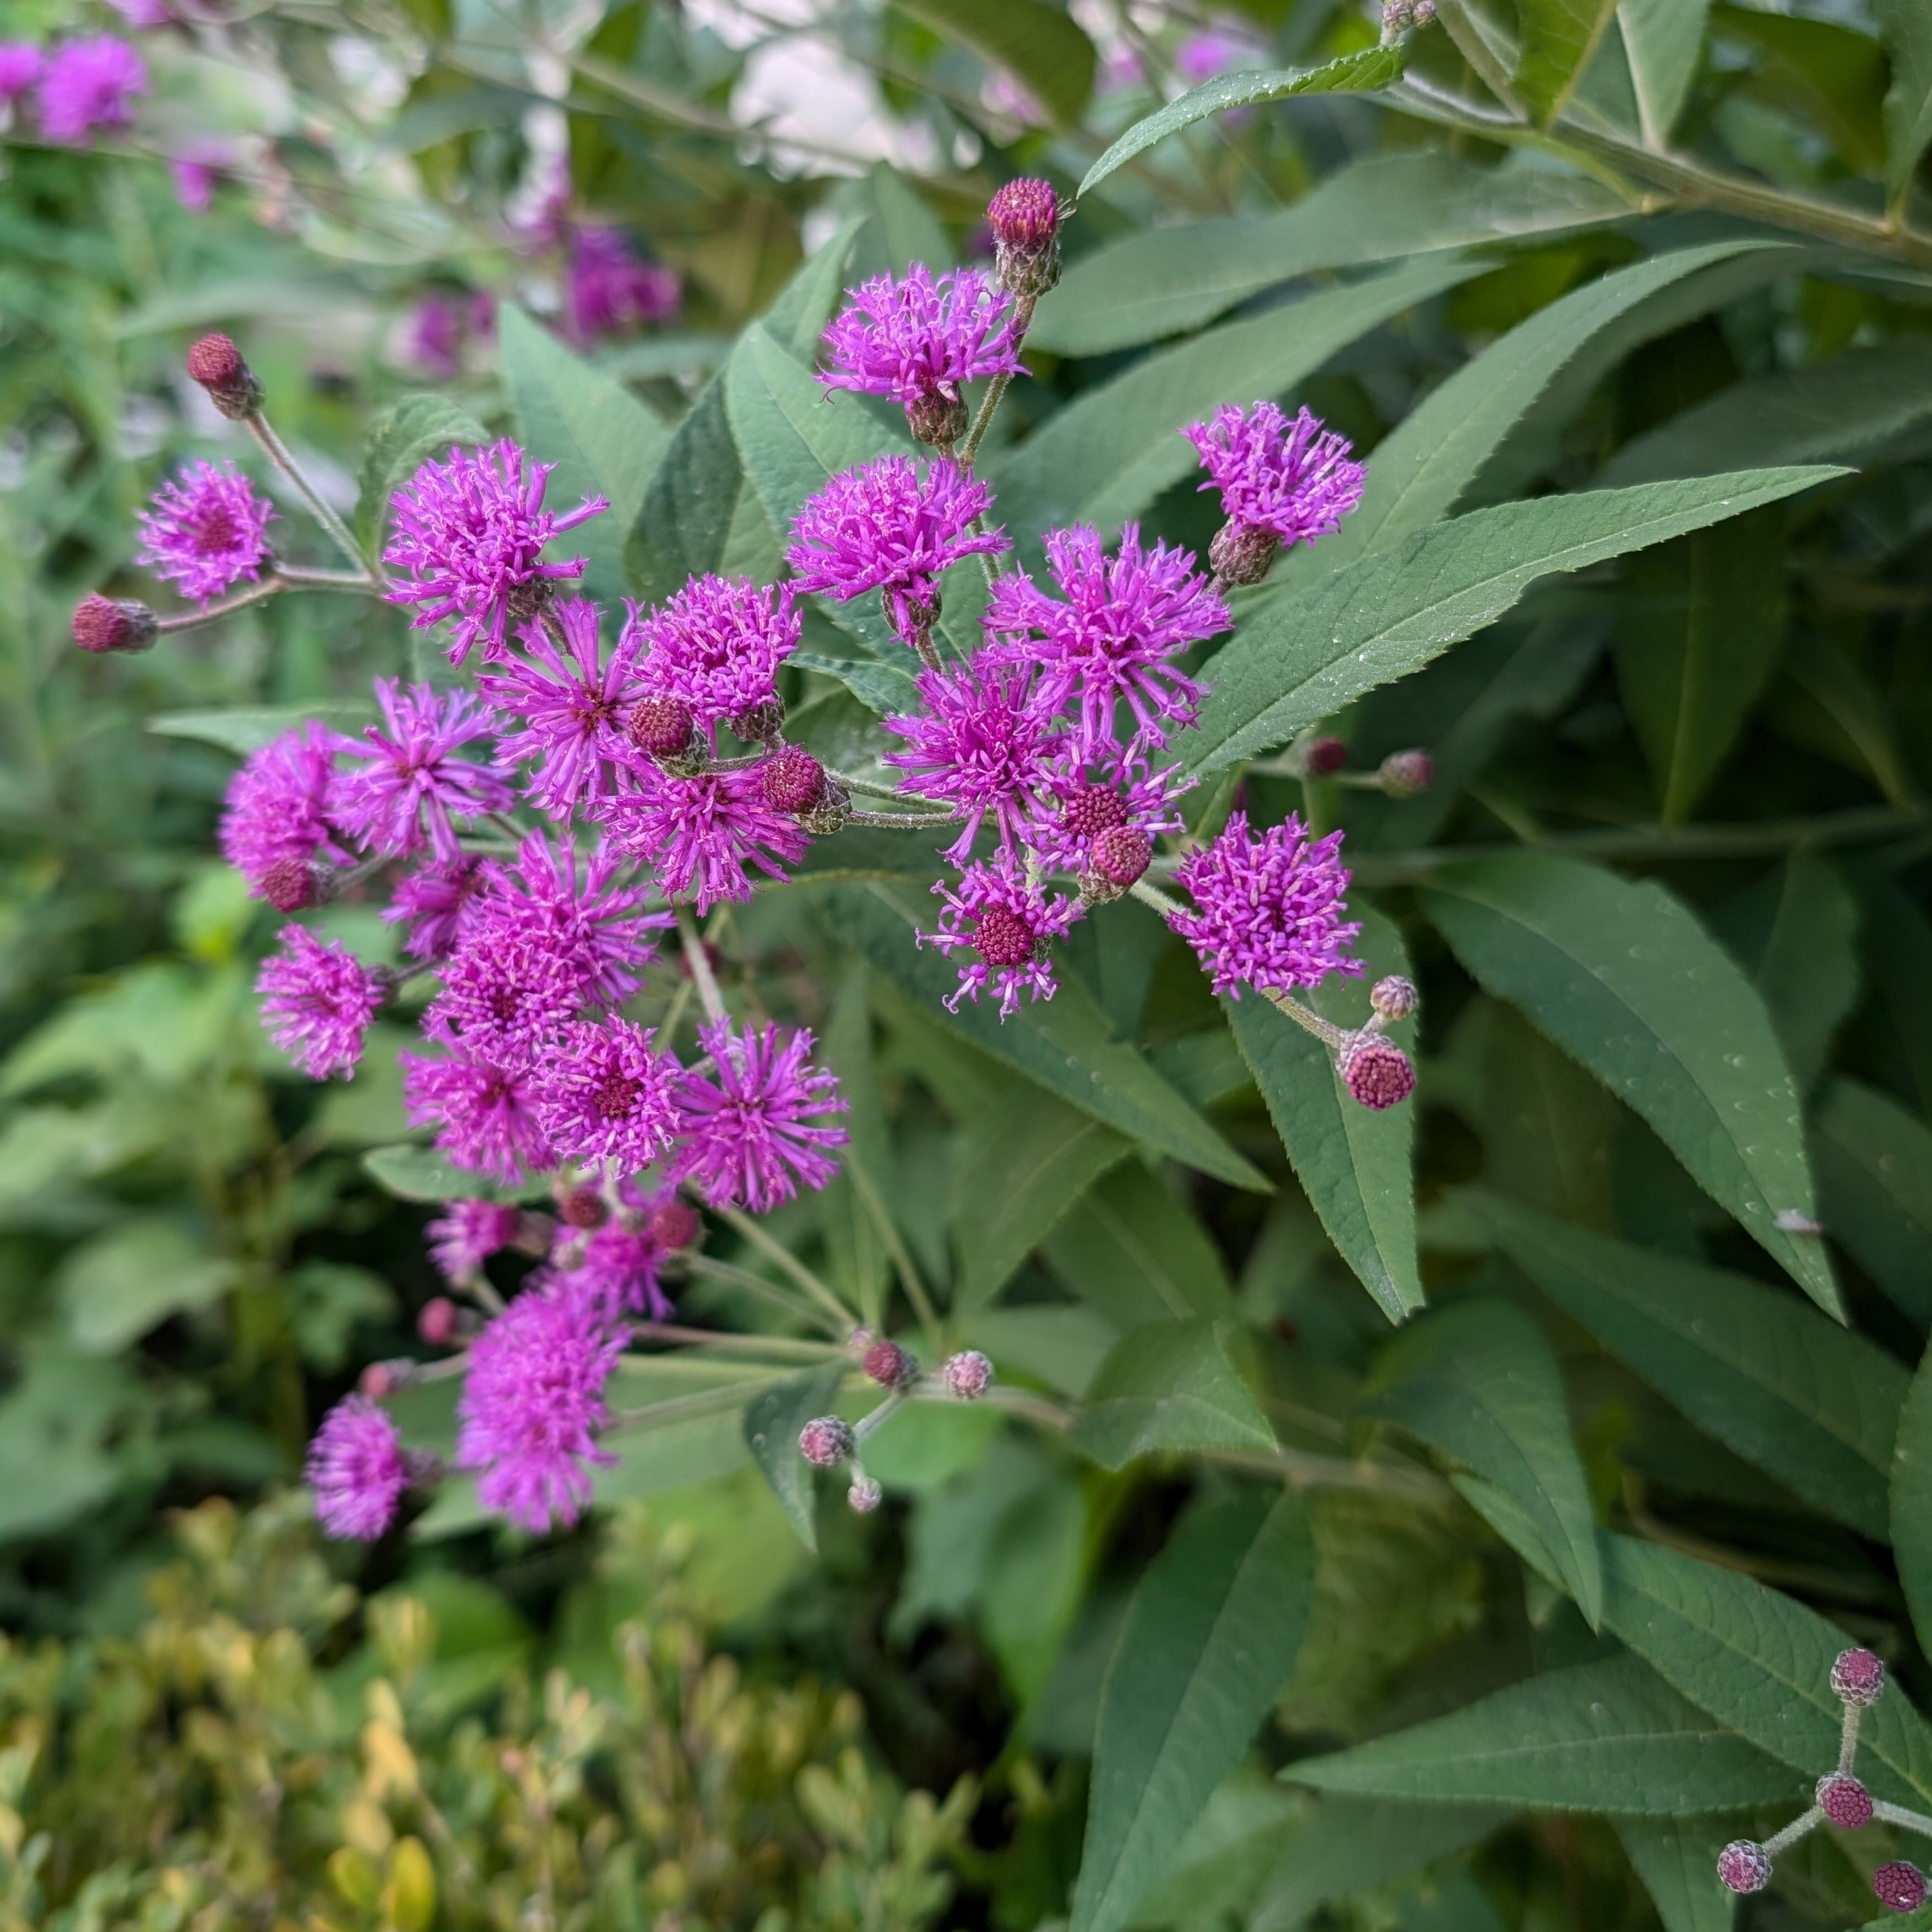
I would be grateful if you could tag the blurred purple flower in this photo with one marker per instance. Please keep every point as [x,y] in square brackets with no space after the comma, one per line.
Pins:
[482,1112]
[277,811]
[436,901]
[317,1001]
[356,1471]
[206,531]
[758,1124]
[610,291]
[467,1233]
[20,65]
[89,84]
[410,788]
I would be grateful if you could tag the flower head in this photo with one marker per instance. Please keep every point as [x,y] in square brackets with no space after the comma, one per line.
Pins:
[1087,821]
[1112,640]
[103,624]
[700,833]
[1009,924]
[508,988]
[483,1112]
[605,1098]
[469,537]
[410,788]
[532,1403]
[356,1471]
[759,1123]
[436,902]
[1743,1866]
[20,65]
[892,526]
[194,170]
[716,646]
[1024,217]
[609,291]
[206,531]
[1289,481]
[277,814]
[617,1263]
[90,83]
[1376,1072]
[317,1001]
[574,906]
[1270,909]
[467,1233]
[433,341]
[984,745]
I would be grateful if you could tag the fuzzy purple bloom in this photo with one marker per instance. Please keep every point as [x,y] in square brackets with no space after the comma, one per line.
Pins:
[1112,640]
[206,531]
[356,1471]
[758,1124]
[578,910]
[195,169]
[1292,479]
[609,291]
[317,1001]
[1269,908]
[892,526]
[88,84]
[508,989]
[606,1098]
[20,65]
[411,788]
[532,1403]
[1079,808]
[467,1233]
[994,913]
[469,536]
[433,341]
[276,812]
[984,745]
[483,1113]
[715,646]
[700,833]
[436,902]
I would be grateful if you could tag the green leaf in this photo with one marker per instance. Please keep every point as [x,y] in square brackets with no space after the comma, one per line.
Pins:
[1362,72]
[1912,1499]
[1129,1248]
[893,228]
[1621,976]
[1040,46]
[1907,29]
[1210,1638]
[1558,39]
[1824,701]
[1169,279]
[120,1284]
[773,1419]
[795,319]
[1106,457]
[1611,1736]
[412,431]
[416,1173]
[1676,1857]
[1760,1662]
[1477,1382]
[1168,1387]
[1298,658]
[1549,1131]
[883,689]
[603,441]
[1354,1164]
[1806,1400]
[248,728]
[1875,1174]
[1662,39]
[1065,1044]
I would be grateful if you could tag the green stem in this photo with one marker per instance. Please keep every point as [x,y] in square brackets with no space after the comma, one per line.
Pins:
[271,586]
[298,578]
[768,1290]
[1023,309]
[728,1341]
[776,1251]
[699,963]
[856,817]
[278,453]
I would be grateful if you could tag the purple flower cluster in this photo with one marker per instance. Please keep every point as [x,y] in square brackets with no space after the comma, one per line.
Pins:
[1281,483]
[81,88]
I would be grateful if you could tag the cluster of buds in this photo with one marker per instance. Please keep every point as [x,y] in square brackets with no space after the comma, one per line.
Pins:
[1857,1682]
[829,1442]
[1406,774]
[1400,17]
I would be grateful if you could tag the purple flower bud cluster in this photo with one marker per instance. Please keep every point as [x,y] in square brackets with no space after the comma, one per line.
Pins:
[79,88]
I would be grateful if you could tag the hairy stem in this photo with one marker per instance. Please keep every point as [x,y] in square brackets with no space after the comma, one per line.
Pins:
[271,586]
[698,962]
[776,1251]
[787,1348]
[771,1291]
[856,817]
[278,453]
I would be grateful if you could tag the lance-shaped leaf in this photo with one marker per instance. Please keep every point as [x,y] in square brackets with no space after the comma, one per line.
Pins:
[1209,1639]
[1675,1857]
[1662,39]
[412,431]
[244,728]
[1912,1499]
[773,1419]
[1168,1387]
[1907,27]
[1129,1248]
[1039,45]
[1610,1736]
[1621,977]
[1875,1172]
[1558,39]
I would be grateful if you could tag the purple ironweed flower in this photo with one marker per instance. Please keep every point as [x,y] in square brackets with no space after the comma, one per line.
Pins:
[1112,640]
[984,745]
[758,1122]
[508,988]
[716,646]
[436,902]
[467,1233]
[195,169]
[317,1001]
[102,624]
[90,83]
[604,1098]
[1270,908]
[574,710]
[356,1471]
[916,340]
[994,913]
[469,534]
[1281,482]
[277,815]
[1899,1885]
[1857,1677]
[610,292]
[206,531]
[700,833]
[579,912]
[1376,1072]
[20,65]
[617,1263]
[483,1113]
[531,1404]
[433,341]
[411,788]
[1743,1866]
[1078,826]
[892,526]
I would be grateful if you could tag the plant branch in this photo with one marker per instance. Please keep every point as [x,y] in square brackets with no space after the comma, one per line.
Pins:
[776,1251]
[278,453]
[769,1291]
[698,962]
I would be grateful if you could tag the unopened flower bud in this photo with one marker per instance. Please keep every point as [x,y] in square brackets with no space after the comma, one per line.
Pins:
[1844,1801]
[383,1379]
[1900,1886]
[968,1375]
[826,1442]
[1857,1677]
[1024,217]
[761,724]
[1121,855]
[1321,757]
[938,417]
[1241,553]
[663,728]
[833,808]
[1393,998]
[435,1321]
[890,1366]
[865,1496]
[1376,1072]
[583,1207]
[534,1233]
[102,624]
[218,366]
[792,780]
[1405,774]
[1744,1866]
[674,1224]
[291,885]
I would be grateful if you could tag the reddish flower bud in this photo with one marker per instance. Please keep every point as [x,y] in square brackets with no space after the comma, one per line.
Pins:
[1322,757]
[662,727]
[218,366]
[674,1225]
[938,418]
[1024,217]
[1857,1677]
[383,1379]
[968,1374]
[826,1442]
[1404,774]
[1376,1072]
[435,1321]
[1844,1801]
[102,624]
[1744,1866]
[865,1496]
[889,1366]
[1393,998]
[792,780]
[1121,855]
[1900,1887]
[583,1207]
[291,885]
[1240,553]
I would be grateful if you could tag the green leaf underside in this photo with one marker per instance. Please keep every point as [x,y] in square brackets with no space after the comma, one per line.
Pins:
[1911,1501]
[248,727]
[1038,45]
[1875,1174]
[771,1421]
[1558,38]
[1135,1254]
[1298,659]
[1478,1383]
[1609,1737]
[1209,1639]
[412,1172]
[412,431]
[1371,68]
[1621,976]
[1168,1387]
[1809,1402]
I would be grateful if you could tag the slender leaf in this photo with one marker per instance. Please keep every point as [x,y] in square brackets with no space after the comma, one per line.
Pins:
[1875,1174]
[1812,1404]
[1676,1857]
[773,1419]
[1363,72]
[700,514]
[1039,45]
[895,229]
[1129,1248]
[1906,26]
[1824,701]
[1210,1639]
[412,431]
[1622,977]
[1662,39]
[1549,1131]
[1611,1736]
[1912,1499]
[1298,659]
[1558,39]
[1168,1387]
[248,728]
[1477,1382]
[416,1173]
